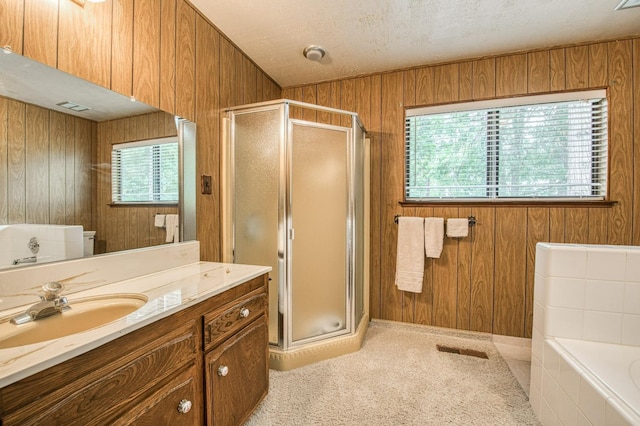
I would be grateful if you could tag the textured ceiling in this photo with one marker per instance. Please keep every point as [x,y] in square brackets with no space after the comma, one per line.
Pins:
[366,36]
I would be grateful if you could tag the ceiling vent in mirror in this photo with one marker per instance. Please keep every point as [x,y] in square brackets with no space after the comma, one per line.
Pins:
[73,106]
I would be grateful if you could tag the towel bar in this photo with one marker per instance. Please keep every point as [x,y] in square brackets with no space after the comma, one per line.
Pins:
[472,220]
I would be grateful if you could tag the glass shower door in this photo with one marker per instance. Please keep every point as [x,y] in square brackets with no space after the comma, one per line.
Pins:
[319,179]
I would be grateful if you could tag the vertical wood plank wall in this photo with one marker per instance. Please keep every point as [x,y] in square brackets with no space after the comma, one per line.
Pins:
[163,53]
[485,282]
[45,166]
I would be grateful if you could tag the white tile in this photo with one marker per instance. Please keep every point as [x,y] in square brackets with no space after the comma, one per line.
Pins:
[631,298]
[563,322]
[550,390]
[535,380]
[547,416]
[567,410]
[633,265]
[602,327]
[565,292]
[630,330]
[537,345]
[534,400]
[591,402]
[606,263]
[582,420]
[541,258]
[605,296]
[550,360]
[569,378]
[567,260]
[538,316]
[539,286]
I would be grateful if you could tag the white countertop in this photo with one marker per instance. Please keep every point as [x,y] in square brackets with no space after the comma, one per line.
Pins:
[167,291]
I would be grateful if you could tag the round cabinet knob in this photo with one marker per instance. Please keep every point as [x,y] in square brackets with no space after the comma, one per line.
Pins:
[184,406]
[223,370]
[244,312]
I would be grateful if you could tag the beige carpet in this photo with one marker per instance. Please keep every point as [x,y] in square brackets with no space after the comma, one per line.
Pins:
[400,378]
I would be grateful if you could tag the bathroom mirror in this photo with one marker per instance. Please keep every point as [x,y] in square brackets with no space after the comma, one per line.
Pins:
[39,180]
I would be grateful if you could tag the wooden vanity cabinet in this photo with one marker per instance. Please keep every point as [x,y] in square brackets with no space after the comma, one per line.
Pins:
[160,374]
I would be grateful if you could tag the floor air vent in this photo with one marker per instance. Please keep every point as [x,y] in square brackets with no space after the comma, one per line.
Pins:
[461,351]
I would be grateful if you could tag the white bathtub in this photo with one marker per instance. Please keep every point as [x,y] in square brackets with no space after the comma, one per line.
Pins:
[56,242]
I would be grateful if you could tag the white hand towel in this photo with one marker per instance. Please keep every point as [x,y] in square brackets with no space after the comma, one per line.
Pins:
[410,254]
[457,228]
[433,236]
[172,224]
[159,221]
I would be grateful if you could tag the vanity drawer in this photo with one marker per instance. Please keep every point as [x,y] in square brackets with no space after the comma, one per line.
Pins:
[223,322]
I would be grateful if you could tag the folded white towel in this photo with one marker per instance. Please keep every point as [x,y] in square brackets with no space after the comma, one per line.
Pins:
[433,236]
[410,254]
[159,221]
[457,228]
[173,231]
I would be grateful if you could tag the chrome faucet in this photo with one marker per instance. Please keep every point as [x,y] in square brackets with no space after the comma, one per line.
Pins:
[51,303]
[32,259]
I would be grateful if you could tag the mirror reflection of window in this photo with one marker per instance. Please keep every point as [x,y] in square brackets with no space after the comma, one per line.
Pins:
[145,172]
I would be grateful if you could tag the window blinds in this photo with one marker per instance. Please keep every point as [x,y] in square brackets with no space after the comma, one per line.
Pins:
[547,149]
[145,172]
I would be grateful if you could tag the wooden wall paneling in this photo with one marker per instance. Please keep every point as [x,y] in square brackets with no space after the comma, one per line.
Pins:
[556,225]
[446,79]
[238,90]
[483,269]
[4,161]
[636,137]
[146,52]
[537,231]
[16,193]
[85,32]
[376,206]
[295,112]
[363,100]
[538,72]
[511,75]
[425,86]
[336,97]
[102,183]
[37,164]
[598,77]
[142,225]
[70,171]
[347,100]
[577,60]
[185,60]
[168,56]
[576,225]
[484,78]
[424,302]
[465,83]
[260,82]
[227,74]
[445,276]
[323,92]
[557,69]
[463,320]
[309,95]
[250,73]
[620,141]
[209,147]
[409,87]
[83,186]
[392,184]
[40,28]
[12,25]
[122,47]
[408,298]
[510,271]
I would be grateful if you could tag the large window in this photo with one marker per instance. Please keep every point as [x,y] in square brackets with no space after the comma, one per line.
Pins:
[145,172]
[536,147]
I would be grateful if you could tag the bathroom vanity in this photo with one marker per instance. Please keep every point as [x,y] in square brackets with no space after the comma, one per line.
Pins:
[195,353]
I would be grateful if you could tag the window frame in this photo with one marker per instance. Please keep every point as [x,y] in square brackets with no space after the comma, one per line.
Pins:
[152,143]
[496,103]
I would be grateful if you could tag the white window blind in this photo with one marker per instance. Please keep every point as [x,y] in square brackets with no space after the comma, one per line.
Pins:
[548,147]
[145,172]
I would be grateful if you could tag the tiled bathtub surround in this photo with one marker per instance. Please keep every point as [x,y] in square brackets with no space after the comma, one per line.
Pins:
[56,242]
[586,314]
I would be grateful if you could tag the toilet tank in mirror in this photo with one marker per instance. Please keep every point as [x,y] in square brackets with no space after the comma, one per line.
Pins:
[57,133]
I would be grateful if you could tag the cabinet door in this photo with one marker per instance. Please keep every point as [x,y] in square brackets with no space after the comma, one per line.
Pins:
[237,375]
[173,404]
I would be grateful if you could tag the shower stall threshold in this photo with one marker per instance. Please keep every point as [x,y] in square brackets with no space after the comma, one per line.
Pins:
[318,351]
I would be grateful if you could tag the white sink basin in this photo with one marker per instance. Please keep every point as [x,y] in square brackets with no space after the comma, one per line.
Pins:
[84,315]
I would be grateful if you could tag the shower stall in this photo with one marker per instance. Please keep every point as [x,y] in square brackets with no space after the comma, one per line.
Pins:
[295,198]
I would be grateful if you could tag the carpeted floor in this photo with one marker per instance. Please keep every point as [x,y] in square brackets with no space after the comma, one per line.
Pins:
[400,378]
